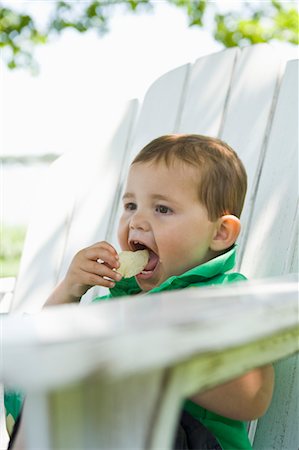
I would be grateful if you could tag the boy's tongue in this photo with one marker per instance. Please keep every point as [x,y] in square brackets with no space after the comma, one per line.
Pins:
[153,261]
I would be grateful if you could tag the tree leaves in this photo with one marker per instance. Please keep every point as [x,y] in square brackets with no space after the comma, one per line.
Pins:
[274,21]
[255,22]
[17,34]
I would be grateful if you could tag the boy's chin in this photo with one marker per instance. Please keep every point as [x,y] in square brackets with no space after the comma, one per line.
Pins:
[146,284]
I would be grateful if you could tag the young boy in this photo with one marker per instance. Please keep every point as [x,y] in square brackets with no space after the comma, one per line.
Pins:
[182,202]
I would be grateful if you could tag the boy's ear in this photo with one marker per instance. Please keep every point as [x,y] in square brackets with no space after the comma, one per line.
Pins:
[227,231]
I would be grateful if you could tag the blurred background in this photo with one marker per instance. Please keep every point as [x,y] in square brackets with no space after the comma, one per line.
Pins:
[67,66]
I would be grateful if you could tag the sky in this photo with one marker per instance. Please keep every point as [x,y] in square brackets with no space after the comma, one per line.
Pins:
[84,78]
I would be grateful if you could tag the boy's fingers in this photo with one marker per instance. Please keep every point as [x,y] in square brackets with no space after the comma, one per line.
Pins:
[103,256]
[105,246]
[92,279]
[102,270]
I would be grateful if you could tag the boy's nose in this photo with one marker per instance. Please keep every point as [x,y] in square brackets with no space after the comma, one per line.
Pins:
[139,222]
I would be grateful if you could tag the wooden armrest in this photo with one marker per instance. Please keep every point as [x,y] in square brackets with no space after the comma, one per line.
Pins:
[163,328]
[168,345]
[7,286]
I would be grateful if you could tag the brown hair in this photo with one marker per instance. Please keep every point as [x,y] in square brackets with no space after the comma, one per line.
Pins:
[223,180]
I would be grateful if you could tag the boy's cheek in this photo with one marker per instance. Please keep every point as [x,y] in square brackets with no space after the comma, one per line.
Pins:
[120,230]
[122,236]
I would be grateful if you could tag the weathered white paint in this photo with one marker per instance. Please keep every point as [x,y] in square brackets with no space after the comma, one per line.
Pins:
[271,245]
[161,109]
[279,428]
[125,357]
[98,176]
[273,222]
[37,431]
[207,92]
[3,432]
[248,115]
[164,97]
[114,418]
[7,286]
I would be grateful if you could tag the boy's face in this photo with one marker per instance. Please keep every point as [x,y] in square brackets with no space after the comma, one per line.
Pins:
[161,212]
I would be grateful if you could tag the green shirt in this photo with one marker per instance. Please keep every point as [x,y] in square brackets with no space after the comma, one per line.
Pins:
[231,434]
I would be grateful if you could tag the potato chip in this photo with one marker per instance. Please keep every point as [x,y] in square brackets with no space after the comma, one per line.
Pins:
[132,263]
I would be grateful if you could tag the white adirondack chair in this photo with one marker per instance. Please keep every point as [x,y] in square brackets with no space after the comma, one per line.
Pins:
[249,99]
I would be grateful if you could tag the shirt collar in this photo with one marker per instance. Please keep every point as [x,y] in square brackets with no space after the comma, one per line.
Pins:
[210,269]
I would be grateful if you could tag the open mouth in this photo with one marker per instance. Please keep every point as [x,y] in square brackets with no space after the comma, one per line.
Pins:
[152,262]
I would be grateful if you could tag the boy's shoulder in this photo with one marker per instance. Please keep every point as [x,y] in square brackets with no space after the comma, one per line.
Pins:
[215,271]
[223,278]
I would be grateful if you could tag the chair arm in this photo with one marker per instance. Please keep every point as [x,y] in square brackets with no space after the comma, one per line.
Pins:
[7,286]
[170,345]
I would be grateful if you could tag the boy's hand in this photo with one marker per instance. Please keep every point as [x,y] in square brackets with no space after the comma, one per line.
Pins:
[91,267]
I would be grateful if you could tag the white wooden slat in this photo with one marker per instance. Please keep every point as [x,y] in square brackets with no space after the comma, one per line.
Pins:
[274,216]
[6,293]
[71,212]
[279,428]
[37,431]
[248,113]
[161,108]
[98,179]
[3,432]
[159,115]
[46,236]
[102,425]
[207,92]
[292,263]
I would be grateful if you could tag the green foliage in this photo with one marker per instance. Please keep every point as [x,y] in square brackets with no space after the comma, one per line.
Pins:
[195,10]
[17,34]
[44,158]
[11,245]
[255,22]
[273,21]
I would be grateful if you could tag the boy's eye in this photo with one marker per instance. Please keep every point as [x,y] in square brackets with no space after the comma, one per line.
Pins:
[130,206]
[162,209]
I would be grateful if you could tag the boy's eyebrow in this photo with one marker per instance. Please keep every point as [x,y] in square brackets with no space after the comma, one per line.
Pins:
[154,196]
[160,197]
[127,195]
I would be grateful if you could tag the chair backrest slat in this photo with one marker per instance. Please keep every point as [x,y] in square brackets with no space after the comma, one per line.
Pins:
[207,92]
[101,173]
[45,240]
[159,115]
[249,113]
[161,108]
[273,222]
